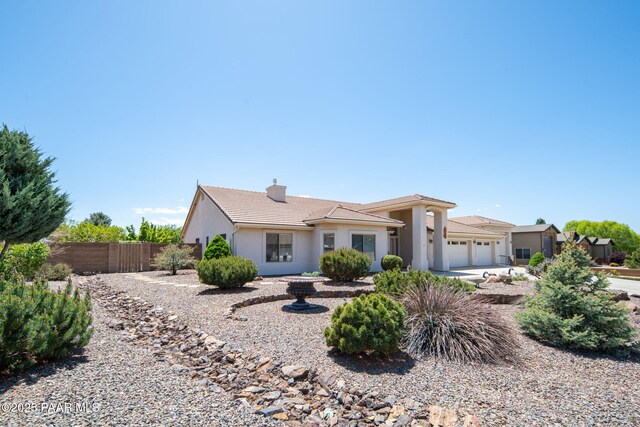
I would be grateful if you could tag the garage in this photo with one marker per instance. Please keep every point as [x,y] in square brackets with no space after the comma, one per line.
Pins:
[484,253]
[458,253]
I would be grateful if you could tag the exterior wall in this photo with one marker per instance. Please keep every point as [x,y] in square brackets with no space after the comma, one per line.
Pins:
[208,220]
[601,253]
[532,241]
[405,236]
[343,234]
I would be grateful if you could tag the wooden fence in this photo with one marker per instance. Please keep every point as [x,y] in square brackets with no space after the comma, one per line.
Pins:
[110,257]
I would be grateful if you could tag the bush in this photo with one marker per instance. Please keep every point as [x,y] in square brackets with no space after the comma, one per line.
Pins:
[345,265]
[391,262]
[614,264]
[312,274]
[227,272]
[519,277]
[450,325]
[539,269]
[396,283]
[217,248]
[370,324]
[613,273]
[60,271]
[173,257]
[38,324]
[24,259]
[618,257]
[633,261]
[537,259]
[572,308]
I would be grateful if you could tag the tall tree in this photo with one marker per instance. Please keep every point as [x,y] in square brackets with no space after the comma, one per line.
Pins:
[624,238]
[31,205]
[540,221]
[99,218]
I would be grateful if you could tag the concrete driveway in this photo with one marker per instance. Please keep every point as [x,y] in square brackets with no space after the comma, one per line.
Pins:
[631,286]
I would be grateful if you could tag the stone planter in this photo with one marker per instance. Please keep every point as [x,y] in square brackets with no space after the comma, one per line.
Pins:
[301,287]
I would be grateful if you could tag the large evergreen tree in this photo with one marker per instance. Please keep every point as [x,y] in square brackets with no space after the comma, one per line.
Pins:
[100,219]
[31,205]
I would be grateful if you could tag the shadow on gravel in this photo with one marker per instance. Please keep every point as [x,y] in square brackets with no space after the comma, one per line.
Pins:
[347,284]
[36,373]
[317,309]
[398,363]
[218,291]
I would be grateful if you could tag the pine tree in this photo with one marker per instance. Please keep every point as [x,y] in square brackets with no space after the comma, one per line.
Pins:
[572,308]
[99,219]
[217,248]
[31,206]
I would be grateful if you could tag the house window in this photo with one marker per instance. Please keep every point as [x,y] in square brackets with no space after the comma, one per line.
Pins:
[463,243]
[224,236]
[365,243]
[328,242]
[486,243]
[207,240]
[454,243]
[279,247]
[523,253]
[198,240]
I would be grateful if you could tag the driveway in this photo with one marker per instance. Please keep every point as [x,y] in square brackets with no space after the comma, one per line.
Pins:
[631,286]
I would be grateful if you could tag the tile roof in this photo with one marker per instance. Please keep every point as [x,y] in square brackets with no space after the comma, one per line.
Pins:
[339,212]
[536,228]
[402,200]
[454,227]
[480,220]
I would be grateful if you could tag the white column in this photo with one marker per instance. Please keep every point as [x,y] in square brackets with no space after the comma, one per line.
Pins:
[419,238]
[441,257]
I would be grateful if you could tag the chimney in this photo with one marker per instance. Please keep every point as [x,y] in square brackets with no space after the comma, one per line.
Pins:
[277,193]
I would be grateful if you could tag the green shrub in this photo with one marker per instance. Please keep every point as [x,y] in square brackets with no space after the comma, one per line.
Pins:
[519,277]
[633,260]
[391,262]
[24,259]
[572,308]
[370,324]
[345,265]
[173,257]
[396,283]
[450,325]
[312,274]
[217,248]
[38,324]
[537,259]
[614,264]
[227,272]
[539,269]
[60,271]
[613,273]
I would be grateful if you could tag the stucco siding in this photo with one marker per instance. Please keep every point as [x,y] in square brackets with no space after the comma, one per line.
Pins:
[207,220]
[532,241]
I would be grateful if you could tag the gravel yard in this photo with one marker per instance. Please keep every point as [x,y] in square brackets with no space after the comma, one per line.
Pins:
[546,386]
[120,384]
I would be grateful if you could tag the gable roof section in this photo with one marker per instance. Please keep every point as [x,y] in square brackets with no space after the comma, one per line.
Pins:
[399,201]
[477,220]
[603,242]
[454,227]
[252,207]
[536,228]
[340,213]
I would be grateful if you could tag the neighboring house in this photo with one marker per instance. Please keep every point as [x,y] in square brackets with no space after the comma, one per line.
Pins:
[526,240]
[504,251]
[600,249]
[286,234]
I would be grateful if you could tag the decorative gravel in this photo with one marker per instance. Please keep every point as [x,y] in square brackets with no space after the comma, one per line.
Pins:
[547,386]
[115,383]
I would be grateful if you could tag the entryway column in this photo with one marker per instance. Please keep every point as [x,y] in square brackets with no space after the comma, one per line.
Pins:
[441,257]
[419,238]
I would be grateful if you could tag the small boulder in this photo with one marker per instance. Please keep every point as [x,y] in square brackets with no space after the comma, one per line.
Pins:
[618,295]
[295,372]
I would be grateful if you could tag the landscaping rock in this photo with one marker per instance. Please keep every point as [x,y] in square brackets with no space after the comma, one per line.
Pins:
[295,372]
[619,295]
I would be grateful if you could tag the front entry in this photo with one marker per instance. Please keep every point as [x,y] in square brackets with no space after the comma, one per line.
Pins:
[548,247]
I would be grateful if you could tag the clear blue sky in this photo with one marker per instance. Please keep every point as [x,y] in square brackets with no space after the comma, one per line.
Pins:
[512,109]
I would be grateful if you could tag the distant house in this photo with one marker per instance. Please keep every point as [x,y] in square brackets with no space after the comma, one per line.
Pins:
[526,240]
[503,251]
[600,249]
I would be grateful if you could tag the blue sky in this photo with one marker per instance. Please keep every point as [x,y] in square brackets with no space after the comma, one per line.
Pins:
[513,110]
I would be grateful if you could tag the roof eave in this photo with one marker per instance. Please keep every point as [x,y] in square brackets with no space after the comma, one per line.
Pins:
[354,222]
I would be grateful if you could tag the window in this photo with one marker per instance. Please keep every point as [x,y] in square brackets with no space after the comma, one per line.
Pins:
[279,247]
[479,243]
[198,240]
[454,243]
[224,236]
[486,243]
[365,243]
[207,240]
[523,253]
[328,242]
[463,243]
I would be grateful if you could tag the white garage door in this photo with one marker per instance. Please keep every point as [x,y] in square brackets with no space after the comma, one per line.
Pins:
[458,253]
[483,253]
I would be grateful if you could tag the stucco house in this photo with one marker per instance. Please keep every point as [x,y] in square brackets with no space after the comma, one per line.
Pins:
[526,240]
[286,234]
[600,249]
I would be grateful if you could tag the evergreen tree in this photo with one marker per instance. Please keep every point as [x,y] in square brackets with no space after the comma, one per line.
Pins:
[217,248]
[31,206]
[572,308]
[540,221]
[100,219]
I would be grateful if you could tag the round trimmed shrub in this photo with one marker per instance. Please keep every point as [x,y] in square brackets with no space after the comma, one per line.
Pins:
[227,272]
[391,262]
[217,248]
[395,283]
[345,265]
[614,264]
[537,259]
[370,324]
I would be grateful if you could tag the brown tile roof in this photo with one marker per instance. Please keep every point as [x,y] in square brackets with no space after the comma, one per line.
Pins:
[480,220]
[455,227]
[252,207]
[339,212]
[402,200]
